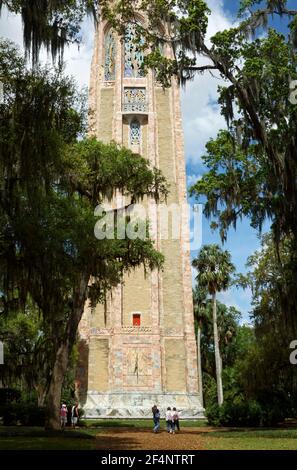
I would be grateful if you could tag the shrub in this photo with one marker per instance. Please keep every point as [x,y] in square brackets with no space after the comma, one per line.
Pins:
[21,413]
[9,395]
[235,414]
[272,415]
[213,413]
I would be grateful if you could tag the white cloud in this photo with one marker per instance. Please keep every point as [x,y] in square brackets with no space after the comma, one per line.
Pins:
[77,59]
[192,179]
[201,114]
[227,298]
[240,299]
[11,27]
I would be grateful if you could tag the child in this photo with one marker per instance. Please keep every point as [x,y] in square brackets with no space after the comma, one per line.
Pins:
[169,420]
[63,416]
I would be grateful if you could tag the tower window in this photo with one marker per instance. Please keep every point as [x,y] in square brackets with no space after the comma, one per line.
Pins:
[110,51]
[133,53]
[136,319]
[135,132]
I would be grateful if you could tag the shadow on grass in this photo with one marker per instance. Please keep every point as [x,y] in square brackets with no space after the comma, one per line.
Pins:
[117,443]
[19,431]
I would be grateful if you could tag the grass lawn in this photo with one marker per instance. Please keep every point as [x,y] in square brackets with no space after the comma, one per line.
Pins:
[251,439]
[88,437]
[27,438]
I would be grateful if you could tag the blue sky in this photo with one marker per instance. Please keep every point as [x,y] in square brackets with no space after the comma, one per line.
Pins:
[201,119]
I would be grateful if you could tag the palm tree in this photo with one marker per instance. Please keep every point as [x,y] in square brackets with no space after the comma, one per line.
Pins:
[214,274]
[200,302]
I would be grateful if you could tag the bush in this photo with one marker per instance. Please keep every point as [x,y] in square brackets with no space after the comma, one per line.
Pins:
[213,414]
[272,415]
[21,413]
[9,395]
[236,414]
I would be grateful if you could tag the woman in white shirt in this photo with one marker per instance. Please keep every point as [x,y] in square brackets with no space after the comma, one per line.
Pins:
[175,420]
[169,420]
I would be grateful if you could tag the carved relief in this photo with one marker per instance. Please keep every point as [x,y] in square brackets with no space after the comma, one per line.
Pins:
[136,330]
[138,367]
[135,100]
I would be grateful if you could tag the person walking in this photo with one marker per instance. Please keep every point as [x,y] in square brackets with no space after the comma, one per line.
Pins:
[63,415]
[175,420]
[154,409]
[156,420]
[74,415]
[169,420]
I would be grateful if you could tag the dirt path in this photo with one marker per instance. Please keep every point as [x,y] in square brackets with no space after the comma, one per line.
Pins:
[144,439]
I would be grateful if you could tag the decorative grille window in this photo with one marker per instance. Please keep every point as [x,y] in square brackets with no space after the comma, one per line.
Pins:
[135,132]
[133,53]
[110,53]
[135,100]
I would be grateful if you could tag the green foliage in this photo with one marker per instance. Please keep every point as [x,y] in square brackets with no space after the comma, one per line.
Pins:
[25,350]
[240,179]
[9,395]
[214,268]
[257,368]
[25,414]
[228,330]
[267,374]
[51,184]
[245,413]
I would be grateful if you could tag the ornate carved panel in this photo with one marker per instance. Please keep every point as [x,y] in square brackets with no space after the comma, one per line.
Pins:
[135,100]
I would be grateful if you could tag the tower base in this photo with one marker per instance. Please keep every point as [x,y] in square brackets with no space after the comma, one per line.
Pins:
[123,405]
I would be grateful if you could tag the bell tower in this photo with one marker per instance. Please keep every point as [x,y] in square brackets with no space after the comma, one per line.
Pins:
[138,348]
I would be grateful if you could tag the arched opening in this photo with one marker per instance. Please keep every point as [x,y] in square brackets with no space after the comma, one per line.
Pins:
[133,53]
[110,56]
[135,132]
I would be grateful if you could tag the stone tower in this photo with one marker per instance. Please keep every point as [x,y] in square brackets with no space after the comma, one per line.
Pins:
[139,348]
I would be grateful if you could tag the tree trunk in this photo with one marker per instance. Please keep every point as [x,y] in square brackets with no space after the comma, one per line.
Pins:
[53,400]
[41,394]
[217,351]
[200,385]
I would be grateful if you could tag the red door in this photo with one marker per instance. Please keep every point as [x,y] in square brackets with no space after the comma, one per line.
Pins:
[136,319]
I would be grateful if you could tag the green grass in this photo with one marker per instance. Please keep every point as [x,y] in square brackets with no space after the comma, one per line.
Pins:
[33,438]
[251,439]
[135,423]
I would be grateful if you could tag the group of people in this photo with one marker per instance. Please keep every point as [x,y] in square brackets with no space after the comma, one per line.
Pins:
[172,420]
[67,413]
